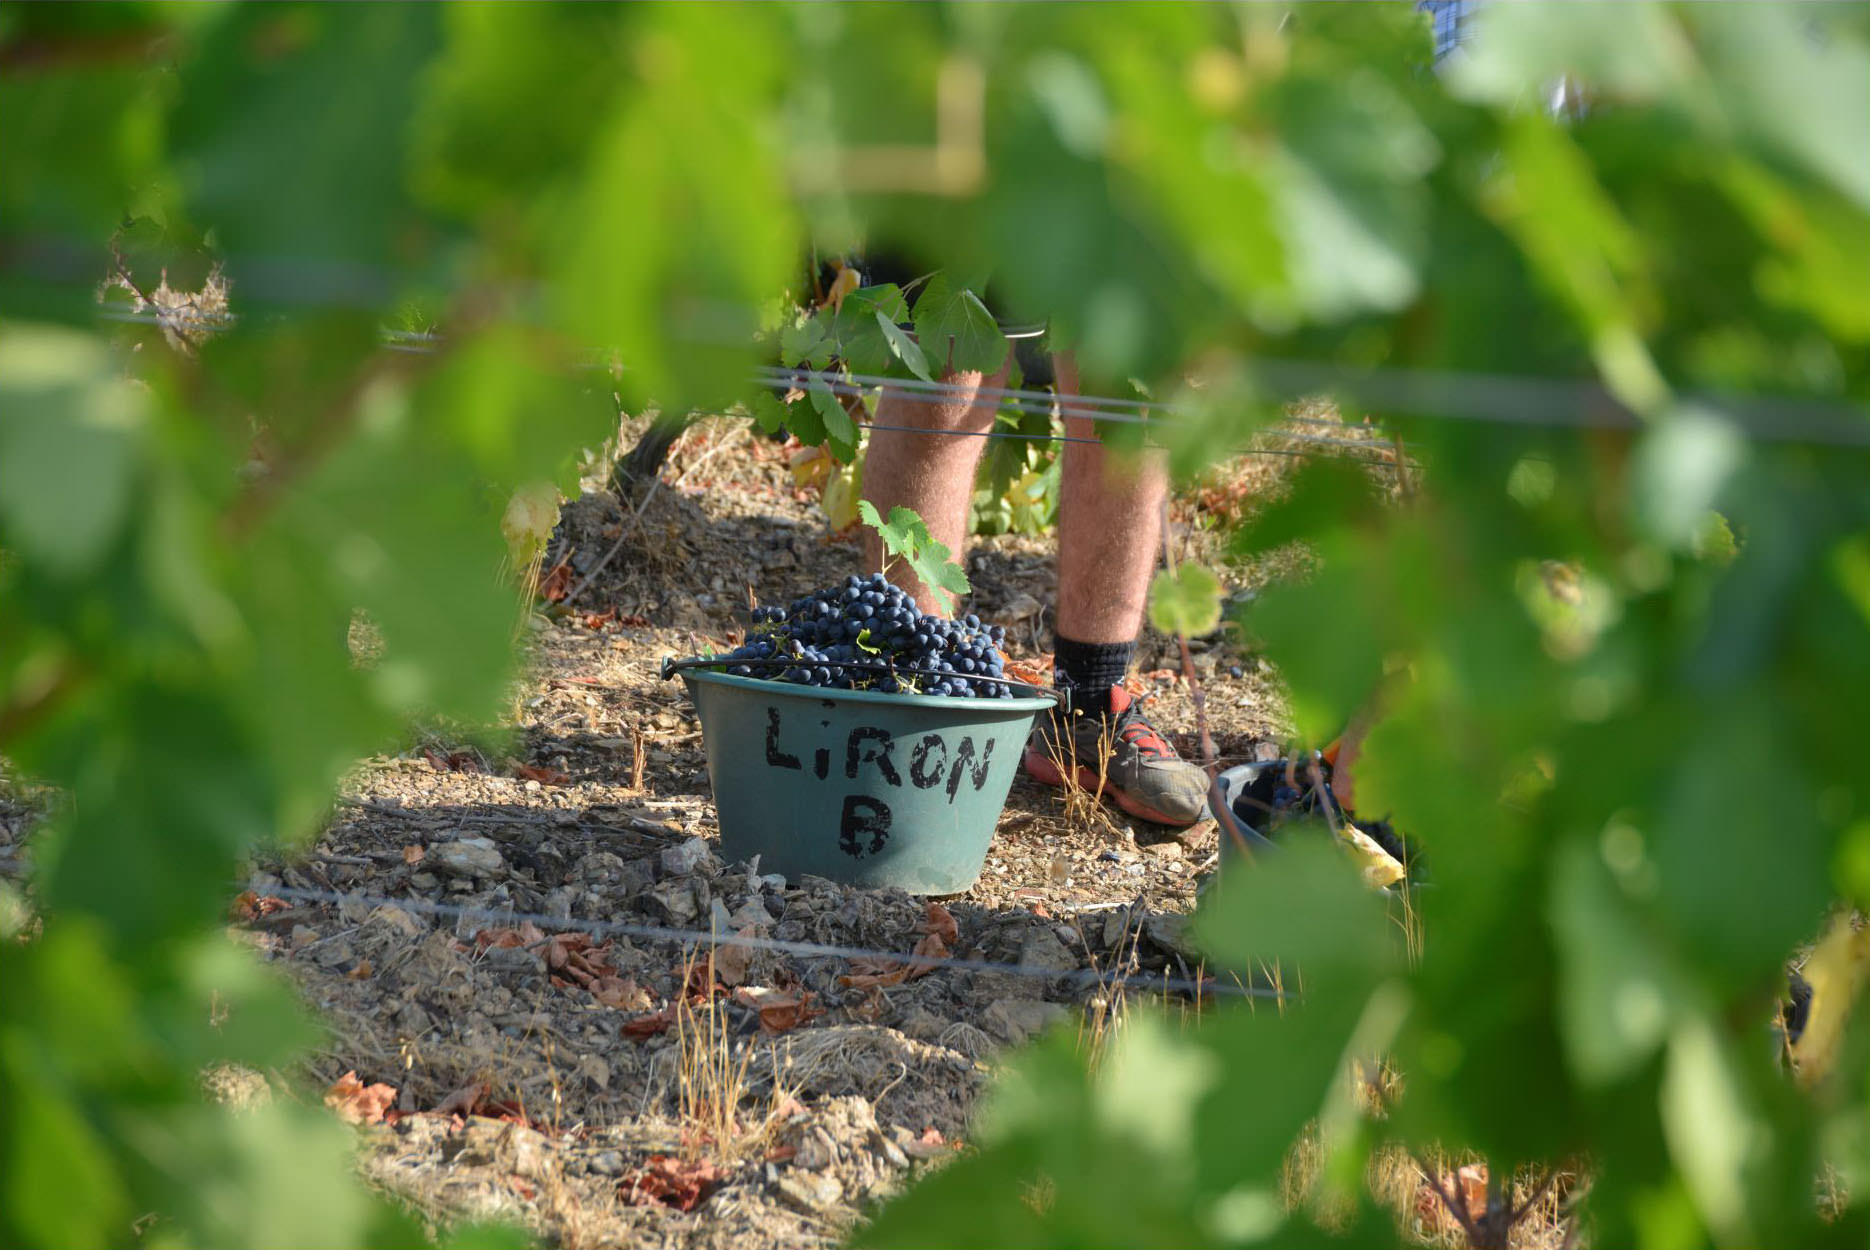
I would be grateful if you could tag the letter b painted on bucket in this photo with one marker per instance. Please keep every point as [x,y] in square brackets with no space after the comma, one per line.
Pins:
[863,818]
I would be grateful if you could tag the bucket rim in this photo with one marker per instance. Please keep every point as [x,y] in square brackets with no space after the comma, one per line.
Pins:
[1041,700]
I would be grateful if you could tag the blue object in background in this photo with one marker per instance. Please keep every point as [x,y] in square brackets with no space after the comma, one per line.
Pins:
[1450,20]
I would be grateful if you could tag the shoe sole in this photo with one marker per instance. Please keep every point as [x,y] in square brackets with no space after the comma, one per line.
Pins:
[1040,768]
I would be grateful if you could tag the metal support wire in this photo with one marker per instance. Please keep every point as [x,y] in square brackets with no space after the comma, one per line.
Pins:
[1039,403]
[1098,442]
[1500,399]
[1139,411]
[837,386]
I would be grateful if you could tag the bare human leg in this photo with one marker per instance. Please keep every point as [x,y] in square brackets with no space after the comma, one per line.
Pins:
[929,466]
[1110,518]
[1109,525]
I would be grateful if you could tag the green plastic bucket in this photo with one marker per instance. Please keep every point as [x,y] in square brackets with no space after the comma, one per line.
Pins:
[858,786]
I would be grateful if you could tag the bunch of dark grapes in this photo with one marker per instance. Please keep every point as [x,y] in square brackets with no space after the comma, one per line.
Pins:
[868,635]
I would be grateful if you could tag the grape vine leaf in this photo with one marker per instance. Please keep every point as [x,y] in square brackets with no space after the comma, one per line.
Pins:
[906,536]
[768,411]
[1186,601]
[840,430]
[804,422]
[905,348]
[797,342]
[859,330]
[955,329]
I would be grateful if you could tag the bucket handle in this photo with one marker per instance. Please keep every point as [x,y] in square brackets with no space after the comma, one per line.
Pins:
[671,666]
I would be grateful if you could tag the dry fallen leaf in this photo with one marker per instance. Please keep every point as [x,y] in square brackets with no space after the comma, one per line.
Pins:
[556,583]
[622,993]
[670,1183]
[733,961]
[940,922]
[872,1007]
[357,1103]
[779,1010]
[413,853]
[453,761]
[934,948]
[1034,672]
[541,774]
[868,971]
[1379,866]
[1470,1190]
[248,907]
[649,1024]
[528,934]
[930,1145]
[701,984]
[361,972]
[1836,970]
[463,1101]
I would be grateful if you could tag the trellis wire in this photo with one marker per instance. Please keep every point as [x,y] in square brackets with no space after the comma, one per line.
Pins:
[1040,403]
[1098,442]
[707,937]
[1060,437]
[1429,394]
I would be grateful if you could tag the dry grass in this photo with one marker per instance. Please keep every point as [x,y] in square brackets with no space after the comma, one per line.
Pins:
[715,1081]
[1084,805]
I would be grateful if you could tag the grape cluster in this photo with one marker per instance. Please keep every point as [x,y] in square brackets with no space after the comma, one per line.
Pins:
[834,638]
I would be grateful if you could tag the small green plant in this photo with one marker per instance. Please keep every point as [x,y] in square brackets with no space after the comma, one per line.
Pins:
[1185,600]
[906,537]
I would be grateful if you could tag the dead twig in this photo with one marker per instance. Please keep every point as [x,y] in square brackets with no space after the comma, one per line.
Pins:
[1457,1210]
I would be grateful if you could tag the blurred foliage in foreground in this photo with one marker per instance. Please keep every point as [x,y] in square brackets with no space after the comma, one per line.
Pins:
[1638,787]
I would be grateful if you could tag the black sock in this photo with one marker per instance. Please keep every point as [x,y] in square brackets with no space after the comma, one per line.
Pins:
[1087,670]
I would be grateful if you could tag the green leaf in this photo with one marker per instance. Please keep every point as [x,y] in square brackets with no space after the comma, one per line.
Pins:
[1352,200]
[256,133]
[683,224]
[886,299]
[800,339]
[1734,783]
[1185,602]
[768,411]
[860,341]
[149,855]
[471,150]
[68,447]
[906,537]
[906,349]
[830,407]
[1678,472]
[801,417]
[955,330]
[1618,993]
[1717,1133]
[1307,908]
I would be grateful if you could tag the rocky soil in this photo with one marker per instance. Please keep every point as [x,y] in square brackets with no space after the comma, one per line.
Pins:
[507,930]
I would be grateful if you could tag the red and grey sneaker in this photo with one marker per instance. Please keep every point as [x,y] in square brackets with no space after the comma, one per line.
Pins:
[1140,771]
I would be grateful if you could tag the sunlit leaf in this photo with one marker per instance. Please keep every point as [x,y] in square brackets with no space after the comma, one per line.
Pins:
[955,330]
[1186,601]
